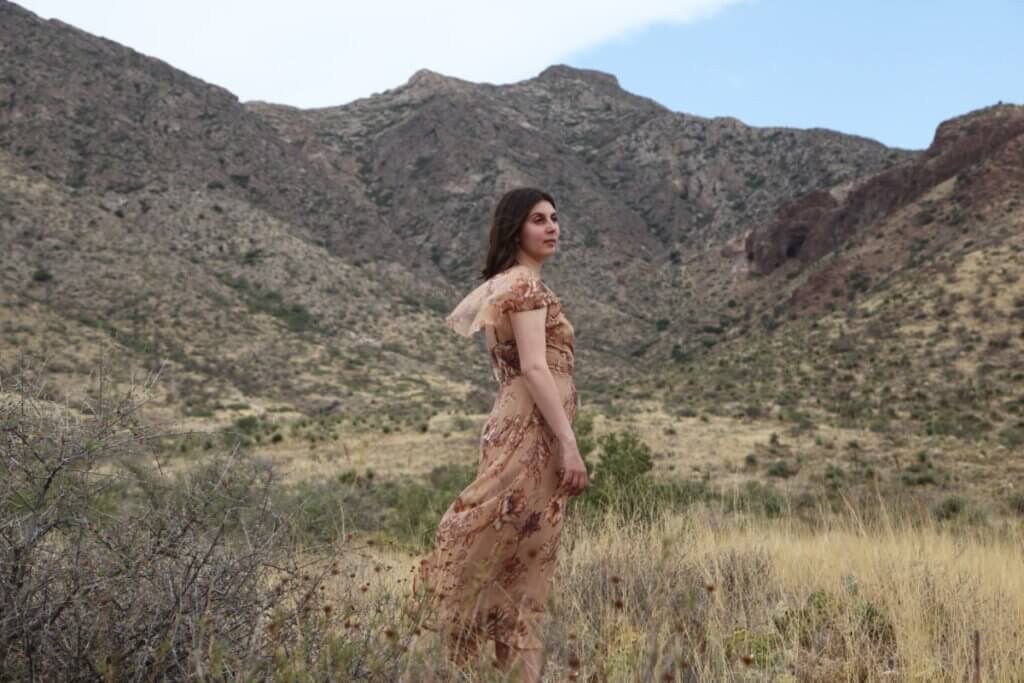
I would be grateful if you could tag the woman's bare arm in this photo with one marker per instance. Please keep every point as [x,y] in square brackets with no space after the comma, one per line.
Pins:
[528,328]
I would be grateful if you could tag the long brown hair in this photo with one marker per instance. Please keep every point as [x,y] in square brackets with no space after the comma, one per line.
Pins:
[509,215]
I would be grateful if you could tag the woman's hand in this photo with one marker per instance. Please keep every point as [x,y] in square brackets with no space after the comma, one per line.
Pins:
[574,478]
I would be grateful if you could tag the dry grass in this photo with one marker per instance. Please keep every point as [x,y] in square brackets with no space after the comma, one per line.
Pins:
[706,596]
[700,595]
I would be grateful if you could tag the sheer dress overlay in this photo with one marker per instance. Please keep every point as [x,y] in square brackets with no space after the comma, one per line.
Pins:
[495,549]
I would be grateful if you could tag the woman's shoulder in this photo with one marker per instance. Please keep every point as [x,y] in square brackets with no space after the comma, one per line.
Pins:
[516,288]
[521,277]
[514,272]
[519,282]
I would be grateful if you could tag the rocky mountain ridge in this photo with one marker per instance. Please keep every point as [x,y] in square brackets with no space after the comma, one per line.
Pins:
[300,259]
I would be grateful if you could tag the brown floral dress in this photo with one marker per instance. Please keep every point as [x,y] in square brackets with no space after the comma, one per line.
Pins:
[495,548]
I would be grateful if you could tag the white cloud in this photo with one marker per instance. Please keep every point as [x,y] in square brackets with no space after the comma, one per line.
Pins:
[312,53]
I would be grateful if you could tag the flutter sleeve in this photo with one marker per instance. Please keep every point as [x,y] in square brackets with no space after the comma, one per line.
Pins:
[502,294]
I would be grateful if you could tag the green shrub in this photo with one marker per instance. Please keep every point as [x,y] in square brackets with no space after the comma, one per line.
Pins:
[755,497]
[416,507]
[950,507]
[1016,503]
[782,469]
[1012,436]
[324,510]
[922,472]
[248,424]
[620,481]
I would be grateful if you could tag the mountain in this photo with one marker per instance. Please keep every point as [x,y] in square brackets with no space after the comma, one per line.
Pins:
[881,325]
[302,259]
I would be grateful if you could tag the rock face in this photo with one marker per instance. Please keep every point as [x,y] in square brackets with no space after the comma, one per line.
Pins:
[1002,176]
[801,229]
[816,223]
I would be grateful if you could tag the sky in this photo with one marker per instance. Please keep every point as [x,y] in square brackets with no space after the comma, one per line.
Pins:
[890,70]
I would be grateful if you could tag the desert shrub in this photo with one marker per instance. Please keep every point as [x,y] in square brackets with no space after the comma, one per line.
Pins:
[416,507]
[403,510]
[1013,435]
[757,498]
[41,274]
[323,510]
[1016,503]
[619,478]
[112,569]
[950,507]
[621,482]
[782,469]
[921,472]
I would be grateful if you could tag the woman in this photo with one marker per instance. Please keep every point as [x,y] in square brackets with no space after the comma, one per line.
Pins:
[496,546]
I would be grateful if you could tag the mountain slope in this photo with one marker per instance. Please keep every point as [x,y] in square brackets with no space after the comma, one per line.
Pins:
[898,351]
[304,259]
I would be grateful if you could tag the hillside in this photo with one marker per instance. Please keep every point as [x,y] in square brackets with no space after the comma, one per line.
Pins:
[800,358]
[300,261]
[890,356]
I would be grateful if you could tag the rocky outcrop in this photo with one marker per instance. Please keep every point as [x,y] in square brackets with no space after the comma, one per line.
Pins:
[815,224]
[1000,178]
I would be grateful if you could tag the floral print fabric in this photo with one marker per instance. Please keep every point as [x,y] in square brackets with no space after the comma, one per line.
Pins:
[496,546]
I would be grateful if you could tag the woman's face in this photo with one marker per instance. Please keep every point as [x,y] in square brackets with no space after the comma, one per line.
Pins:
[539,235]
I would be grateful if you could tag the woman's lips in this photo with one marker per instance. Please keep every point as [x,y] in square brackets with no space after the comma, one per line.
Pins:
[550,241]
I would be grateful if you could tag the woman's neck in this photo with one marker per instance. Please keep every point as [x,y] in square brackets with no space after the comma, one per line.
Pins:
[529,263]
